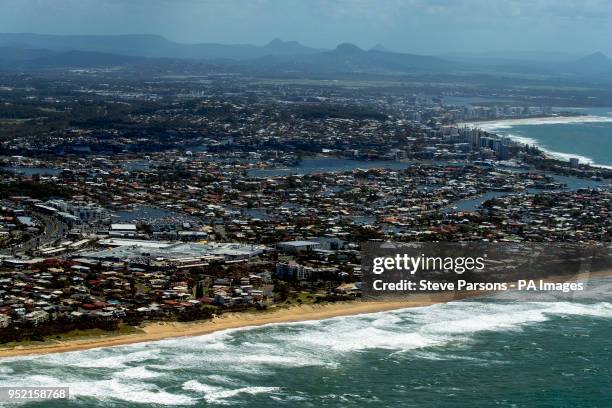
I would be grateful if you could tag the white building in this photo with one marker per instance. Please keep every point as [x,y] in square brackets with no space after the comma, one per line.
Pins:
[37,316]
[86,212]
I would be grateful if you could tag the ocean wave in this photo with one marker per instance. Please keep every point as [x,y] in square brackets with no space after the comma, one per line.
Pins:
[440,356]
[189,372]
[554,154]
[112,361]
[6,370]
[138,372]
[219,395]
[107,390]
[352,338]
[556,120]
[317,343]
[135,392]
[222,379]
[508,124]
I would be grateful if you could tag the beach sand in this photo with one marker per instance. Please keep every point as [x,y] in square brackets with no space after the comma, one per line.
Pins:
[164,330]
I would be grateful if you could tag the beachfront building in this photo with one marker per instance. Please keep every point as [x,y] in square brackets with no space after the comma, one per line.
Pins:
[5,321]
[290,271]
[37,317]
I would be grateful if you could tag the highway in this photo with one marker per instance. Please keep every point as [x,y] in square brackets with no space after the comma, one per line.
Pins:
[53,231]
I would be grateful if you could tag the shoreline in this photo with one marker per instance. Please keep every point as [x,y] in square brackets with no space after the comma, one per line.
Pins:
[155,331]
[494,126]
[550,118]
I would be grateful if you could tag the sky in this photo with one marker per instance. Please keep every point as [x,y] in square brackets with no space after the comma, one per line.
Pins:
[419,26]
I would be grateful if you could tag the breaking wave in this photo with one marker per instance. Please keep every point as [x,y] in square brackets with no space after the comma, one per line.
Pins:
[223,367]
[557,120]
[506,127]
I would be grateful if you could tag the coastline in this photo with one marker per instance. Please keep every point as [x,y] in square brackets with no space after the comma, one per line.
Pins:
[494,126]
[154,331]
[502,122]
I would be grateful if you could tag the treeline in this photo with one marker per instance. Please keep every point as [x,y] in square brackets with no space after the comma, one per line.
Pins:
[61,325]
[31,331]
[41,191]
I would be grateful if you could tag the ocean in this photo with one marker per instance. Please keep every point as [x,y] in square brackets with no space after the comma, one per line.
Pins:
[588,138]
[484,352]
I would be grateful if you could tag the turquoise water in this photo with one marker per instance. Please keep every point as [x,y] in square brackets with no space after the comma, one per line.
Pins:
[461,354]
[589,138]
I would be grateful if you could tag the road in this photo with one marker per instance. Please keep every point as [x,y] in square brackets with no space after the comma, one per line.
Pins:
[53,231]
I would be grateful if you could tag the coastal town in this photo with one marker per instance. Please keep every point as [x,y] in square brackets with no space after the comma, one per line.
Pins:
[304,204]
[128,201]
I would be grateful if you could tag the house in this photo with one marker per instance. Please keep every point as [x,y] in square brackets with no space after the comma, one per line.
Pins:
[37,316]
[5,321]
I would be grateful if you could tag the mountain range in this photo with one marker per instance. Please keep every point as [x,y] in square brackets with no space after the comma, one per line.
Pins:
[153,46]
[25,50]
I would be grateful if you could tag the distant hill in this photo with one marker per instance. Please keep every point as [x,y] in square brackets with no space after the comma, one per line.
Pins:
[288,54]
[279,47]
[150,46]
[19,55]
[593,64]
[115,44]
[495,57]
[348,57]
[596,66]
[24,59]
[11,57]
[379,47]
[86,59]
[154,52]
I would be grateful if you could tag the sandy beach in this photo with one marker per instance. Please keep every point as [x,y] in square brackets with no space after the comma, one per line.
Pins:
[164,330]
[489,124]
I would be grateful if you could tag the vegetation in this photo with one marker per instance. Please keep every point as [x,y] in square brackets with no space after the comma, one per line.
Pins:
[42,191]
